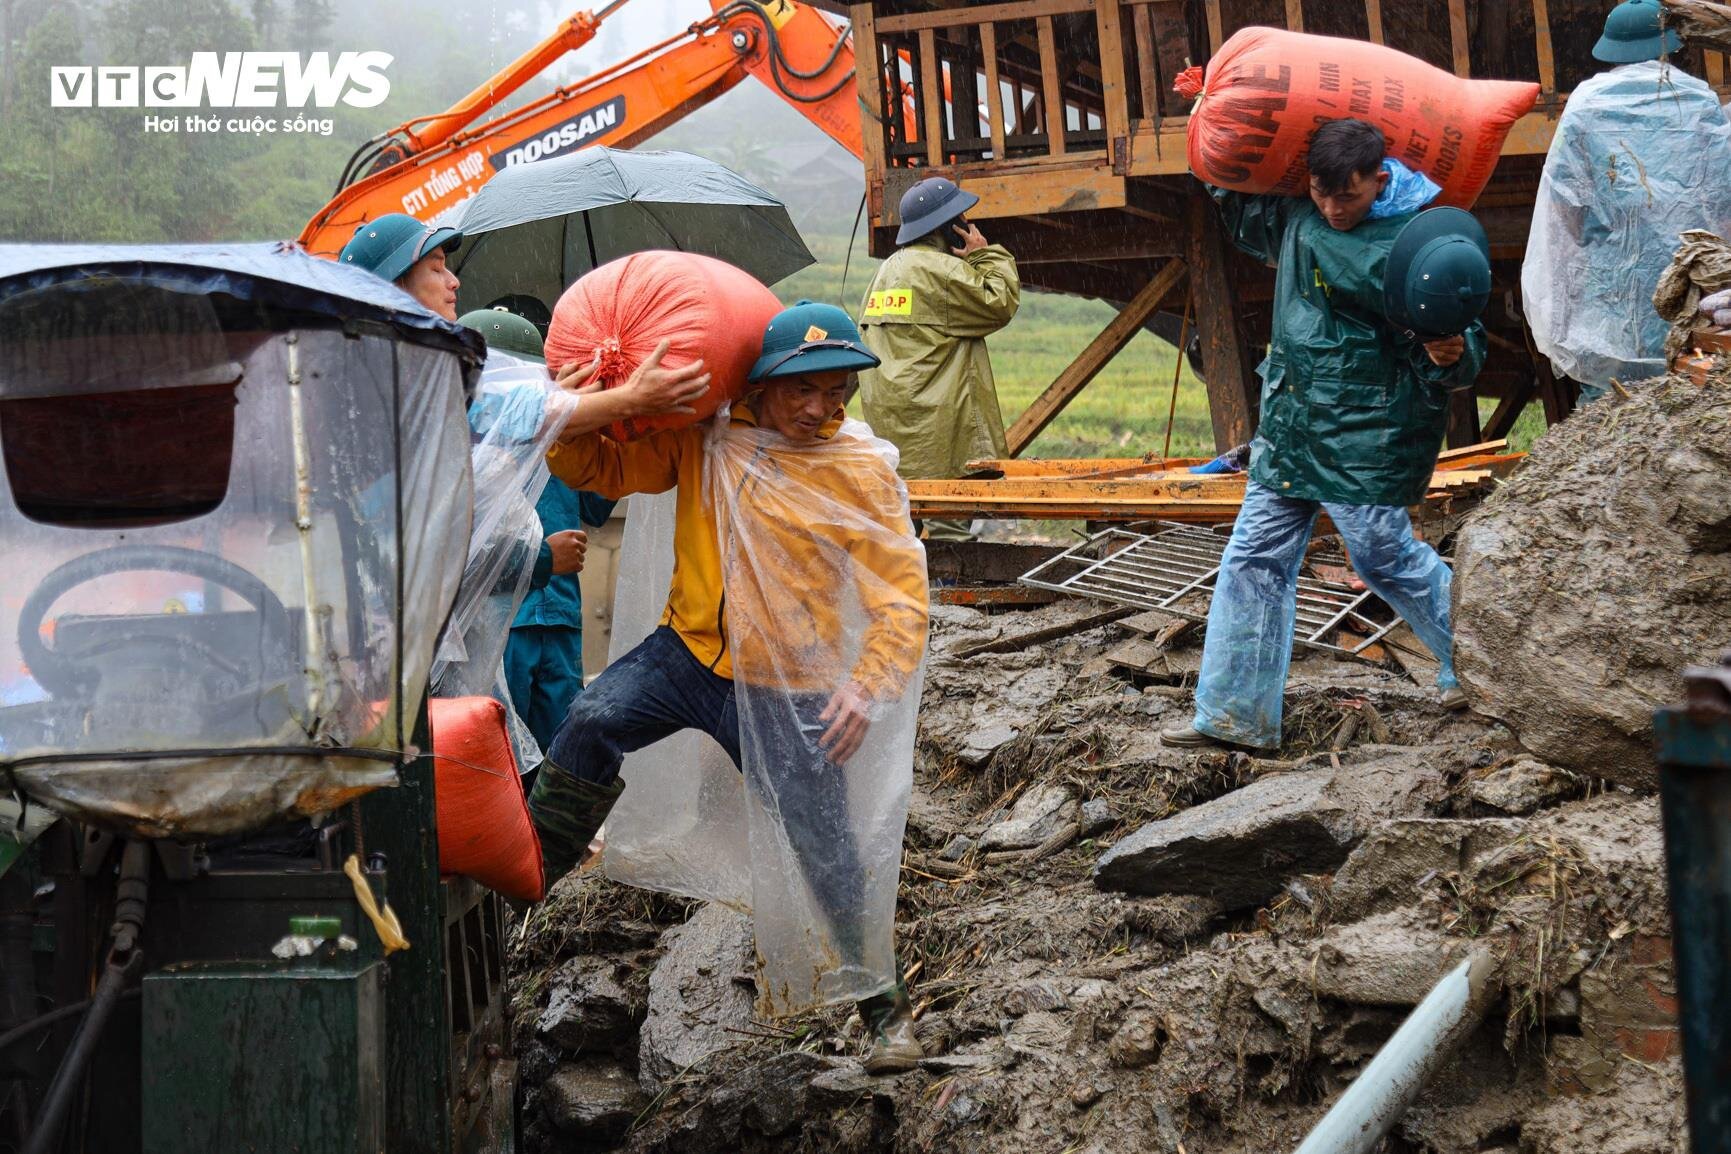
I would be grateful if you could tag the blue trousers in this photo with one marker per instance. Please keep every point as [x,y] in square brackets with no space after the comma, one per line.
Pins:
[544,672]
[1240,690]
[658,689]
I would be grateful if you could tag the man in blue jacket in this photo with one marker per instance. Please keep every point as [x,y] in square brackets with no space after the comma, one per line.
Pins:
[1353,412]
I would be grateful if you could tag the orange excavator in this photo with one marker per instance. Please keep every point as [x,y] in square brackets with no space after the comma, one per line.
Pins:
[430,166]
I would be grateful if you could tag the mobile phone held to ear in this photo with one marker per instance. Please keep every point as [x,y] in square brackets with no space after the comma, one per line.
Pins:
[959,232]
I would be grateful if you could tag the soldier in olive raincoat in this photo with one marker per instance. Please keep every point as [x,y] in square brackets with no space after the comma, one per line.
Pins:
[926,318]
[1353,412]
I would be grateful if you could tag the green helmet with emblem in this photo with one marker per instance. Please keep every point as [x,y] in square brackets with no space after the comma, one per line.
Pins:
[811,338]
[1437,281]
[1635,32]
[507,332]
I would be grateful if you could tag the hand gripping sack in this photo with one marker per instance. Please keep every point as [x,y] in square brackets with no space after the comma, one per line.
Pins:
[1266,90]
[705,308]
[484,827]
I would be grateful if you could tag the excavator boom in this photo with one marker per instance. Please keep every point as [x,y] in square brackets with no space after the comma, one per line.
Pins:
[431,166]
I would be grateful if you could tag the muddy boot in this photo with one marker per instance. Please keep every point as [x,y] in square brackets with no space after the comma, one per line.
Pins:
[1455,700]
[567,812]
[1186,737]
[889,1019]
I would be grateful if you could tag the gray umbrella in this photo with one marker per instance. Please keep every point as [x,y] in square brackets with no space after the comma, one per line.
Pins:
[535,228]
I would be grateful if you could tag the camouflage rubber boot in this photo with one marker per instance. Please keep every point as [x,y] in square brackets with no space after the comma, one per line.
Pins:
[889,1019]
[567,811]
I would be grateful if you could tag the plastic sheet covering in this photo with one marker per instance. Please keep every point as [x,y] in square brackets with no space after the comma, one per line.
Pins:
[229,547]
[516,416]
[1642,153]
[826,593]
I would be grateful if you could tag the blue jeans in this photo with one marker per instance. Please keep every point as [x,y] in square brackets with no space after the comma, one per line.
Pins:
[658,689]
[1240,690]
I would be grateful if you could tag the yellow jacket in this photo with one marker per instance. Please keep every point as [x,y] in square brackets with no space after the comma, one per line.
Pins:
[894,593]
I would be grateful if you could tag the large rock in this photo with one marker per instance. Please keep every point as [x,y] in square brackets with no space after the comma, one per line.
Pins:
[1239,849]
[593,1103]
[587,1008]
[1398,858]
[1588,581]
[699,994]
[1039,813]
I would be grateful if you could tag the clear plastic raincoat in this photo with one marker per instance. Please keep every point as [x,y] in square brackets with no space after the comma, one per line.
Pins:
[515,418]
[825,586]
[1641,154]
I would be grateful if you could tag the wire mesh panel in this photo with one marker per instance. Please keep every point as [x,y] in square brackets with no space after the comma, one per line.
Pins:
[1174,570]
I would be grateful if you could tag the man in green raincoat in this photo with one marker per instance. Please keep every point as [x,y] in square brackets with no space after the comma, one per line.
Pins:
[926,317]
[1354,407]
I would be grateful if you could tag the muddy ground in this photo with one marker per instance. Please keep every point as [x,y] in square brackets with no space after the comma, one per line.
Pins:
[1118,947]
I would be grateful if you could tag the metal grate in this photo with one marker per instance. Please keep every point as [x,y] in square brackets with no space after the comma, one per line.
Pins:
[1174,570]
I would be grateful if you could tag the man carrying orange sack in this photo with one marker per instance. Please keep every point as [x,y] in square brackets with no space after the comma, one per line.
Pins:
[795,636]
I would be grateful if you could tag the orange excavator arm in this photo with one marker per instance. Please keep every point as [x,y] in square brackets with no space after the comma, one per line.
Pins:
[431,166]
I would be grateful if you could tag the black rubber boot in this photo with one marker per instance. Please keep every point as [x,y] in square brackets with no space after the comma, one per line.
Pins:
[567,812]
[889,1019]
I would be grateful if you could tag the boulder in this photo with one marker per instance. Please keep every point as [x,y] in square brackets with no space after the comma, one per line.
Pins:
[587,1008]
[592,1102]
[1523,786]
[1240,849]
[1038,814]
[698,994]
[1586,584]
[1397,857]
[1383,961]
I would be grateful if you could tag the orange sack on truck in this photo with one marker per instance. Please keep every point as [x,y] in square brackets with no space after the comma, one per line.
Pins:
[484,827]
[705,307]
[1267,89]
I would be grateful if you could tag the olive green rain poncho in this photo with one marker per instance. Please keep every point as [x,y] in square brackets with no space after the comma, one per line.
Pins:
[926,317]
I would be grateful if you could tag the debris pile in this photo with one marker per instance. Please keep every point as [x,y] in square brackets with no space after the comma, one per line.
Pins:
[1595,575]
[1113,945]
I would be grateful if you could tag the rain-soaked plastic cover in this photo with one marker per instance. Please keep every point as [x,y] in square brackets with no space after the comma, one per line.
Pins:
[1642,153]
[825,584]
[230,546]
[516,416]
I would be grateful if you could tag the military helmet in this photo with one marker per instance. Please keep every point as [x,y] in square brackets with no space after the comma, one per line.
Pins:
[506,331]
[1634,33]
[810,338]
[929,205]
[1437,281]
[391,244]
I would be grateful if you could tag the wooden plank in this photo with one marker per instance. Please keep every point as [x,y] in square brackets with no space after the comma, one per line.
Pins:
[1543,49]
[993,596]
[1295,15]
[1715,65]
[1019,641]
[1076,467]
[980,13]
[1113,95]
[1488,448]
[1172,48]
[994,88]
[1034,191]
[1054,87]
[869,79]
[1509,409]
[1458,36]
[1216,34]
[931,97]
[1227,364]
[1147,61]
[1092,359]
[1372,19]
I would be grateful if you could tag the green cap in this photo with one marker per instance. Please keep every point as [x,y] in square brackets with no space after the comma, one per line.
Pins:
[315,926]
[1633,33]
[1438,278]
[507,331]
[390,245]
[810,338]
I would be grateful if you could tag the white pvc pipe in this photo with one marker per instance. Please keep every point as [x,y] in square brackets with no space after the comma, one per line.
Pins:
[1388,1086]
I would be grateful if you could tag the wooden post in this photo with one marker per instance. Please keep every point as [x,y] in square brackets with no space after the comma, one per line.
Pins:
[1092,359]
[994,89]
[1295,15]
[1054,86]
[1509,410]
[1112,92]
[1542,47]
[931,97]
[1458,37]
[1227,362]
[1216,32]
[868,76]
[1147,62]
[1373,20]
[1463,426]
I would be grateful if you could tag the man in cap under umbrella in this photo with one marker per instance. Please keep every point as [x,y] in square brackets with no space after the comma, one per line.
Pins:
[927,315]
[1354,406]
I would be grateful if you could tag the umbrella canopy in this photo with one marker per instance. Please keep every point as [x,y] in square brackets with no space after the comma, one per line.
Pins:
[535,228]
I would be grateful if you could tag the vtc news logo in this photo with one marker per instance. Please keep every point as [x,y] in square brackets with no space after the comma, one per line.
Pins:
[229,80]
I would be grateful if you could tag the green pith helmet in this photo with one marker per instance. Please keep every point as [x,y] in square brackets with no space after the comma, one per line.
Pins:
[1633,33]
[506,331]
[1438,277]
[810,338]
[391,244]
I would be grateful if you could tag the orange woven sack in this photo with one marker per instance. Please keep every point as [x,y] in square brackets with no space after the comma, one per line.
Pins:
[484,827]
[1267,89]
[705,307]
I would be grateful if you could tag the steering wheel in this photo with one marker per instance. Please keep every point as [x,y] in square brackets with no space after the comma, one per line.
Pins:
[75,674]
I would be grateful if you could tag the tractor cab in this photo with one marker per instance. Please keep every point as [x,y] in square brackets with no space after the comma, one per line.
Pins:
[235,502]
